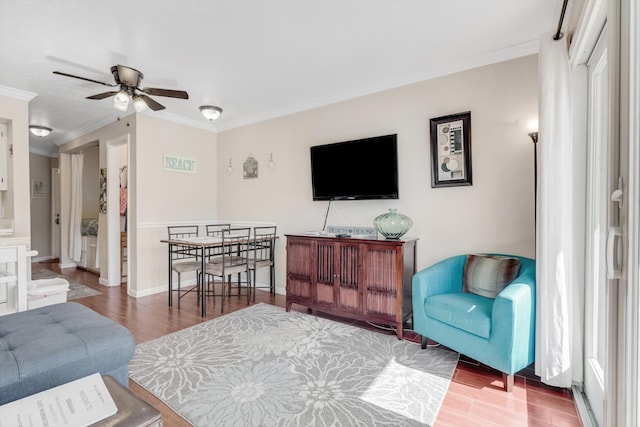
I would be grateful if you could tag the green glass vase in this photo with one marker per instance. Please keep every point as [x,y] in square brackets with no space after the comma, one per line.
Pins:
[392,224]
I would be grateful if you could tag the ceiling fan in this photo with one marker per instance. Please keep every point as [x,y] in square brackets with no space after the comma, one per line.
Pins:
[128,80]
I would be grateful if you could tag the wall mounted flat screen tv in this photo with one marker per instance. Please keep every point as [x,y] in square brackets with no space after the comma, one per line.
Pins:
[356,170]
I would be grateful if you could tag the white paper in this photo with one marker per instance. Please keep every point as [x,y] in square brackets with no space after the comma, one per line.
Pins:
[76,404]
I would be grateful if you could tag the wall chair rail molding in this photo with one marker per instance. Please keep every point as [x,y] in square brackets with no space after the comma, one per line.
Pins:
[451,150]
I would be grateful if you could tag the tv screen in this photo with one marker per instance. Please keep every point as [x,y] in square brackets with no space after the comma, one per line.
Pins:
[356,170]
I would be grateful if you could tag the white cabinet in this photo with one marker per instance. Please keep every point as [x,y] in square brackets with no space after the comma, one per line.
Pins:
[3,156]
[13,279]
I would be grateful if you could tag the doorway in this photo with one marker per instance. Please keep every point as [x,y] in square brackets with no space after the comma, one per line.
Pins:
[117,155]
[602,238]
[55,213]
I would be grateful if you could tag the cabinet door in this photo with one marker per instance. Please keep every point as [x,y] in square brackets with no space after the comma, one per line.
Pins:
[325,273]
[299,268]
[382,282]
[348,279]
[337,276]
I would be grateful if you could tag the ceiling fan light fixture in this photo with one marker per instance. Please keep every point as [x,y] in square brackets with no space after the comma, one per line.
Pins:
[121,101]
[210,112]
[139,104]
[39,131]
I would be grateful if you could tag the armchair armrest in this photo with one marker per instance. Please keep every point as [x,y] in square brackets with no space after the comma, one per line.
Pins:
[513,323]
[440,278]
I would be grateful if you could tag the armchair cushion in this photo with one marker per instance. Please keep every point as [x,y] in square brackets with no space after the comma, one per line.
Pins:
[469,312]
[487,275]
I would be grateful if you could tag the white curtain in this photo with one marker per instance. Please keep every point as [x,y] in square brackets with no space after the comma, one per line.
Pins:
[75,215]
[555,252]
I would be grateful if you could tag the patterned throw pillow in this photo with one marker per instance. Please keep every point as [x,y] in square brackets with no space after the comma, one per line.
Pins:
[487,275]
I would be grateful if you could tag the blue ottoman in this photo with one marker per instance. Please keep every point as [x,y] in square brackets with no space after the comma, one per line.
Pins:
[52,345]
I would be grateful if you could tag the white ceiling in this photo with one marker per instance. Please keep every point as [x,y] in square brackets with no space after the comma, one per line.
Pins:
[256,59]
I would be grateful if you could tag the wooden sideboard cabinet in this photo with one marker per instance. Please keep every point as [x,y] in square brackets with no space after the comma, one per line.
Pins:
[363,279]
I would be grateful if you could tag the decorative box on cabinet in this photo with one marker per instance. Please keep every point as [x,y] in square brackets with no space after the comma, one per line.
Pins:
[363,279]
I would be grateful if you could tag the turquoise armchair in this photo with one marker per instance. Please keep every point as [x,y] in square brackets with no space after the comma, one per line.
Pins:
[499,332]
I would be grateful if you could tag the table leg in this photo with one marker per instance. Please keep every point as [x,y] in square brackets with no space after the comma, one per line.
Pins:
[203,265]
[170,276]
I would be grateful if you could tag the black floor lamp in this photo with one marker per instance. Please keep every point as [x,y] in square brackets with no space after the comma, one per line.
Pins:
[530,126]
[534,138]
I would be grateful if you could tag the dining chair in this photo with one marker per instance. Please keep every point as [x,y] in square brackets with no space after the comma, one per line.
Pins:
[261,255]
[184,259]
[215,230]
[234,259]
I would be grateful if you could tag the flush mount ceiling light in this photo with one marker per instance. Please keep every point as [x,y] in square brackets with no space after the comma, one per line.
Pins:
[39,131]
[210,112]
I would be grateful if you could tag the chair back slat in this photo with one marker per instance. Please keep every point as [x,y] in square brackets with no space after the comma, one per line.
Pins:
[264,240]
[215,230]
[235,242]
[177,232]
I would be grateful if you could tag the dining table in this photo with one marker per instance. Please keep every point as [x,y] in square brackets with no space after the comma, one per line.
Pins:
[201,244]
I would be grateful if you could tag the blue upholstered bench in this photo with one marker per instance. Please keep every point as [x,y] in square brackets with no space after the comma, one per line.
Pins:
[52,345]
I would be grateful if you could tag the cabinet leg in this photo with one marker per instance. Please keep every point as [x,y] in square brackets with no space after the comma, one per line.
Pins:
[400,332]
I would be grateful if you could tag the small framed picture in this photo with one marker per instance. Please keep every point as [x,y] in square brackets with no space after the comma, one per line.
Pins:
[37,189]
[451,150]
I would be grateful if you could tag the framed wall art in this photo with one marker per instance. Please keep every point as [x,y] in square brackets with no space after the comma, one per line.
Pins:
[103,191]
[37,189]
[451,150]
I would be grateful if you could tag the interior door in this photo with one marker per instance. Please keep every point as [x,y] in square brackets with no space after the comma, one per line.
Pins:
[55,213]
[601,234]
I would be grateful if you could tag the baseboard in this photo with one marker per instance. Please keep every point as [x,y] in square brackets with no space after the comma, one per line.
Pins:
[105,282]
[68,265]
[41,258]
[185,283]
[147,292]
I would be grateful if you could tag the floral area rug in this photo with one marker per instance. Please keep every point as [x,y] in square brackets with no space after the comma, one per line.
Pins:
[76,290]
[262,366]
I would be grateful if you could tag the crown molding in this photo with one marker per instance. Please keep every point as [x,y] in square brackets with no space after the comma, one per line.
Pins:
[87,128]
[530,47]
[43,152]
[164,115]
[21,95]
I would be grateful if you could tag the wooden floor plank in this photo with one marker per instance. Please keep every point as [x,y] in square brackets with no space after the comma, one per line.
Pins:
[475,396]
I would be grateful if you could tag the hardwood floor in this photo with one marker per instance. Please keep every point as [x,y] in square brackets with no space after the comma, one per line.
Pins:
[475,396]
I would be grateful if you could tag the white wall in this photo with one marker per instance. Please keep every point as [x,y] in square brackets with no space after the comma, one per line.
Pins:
[91,182]
[15,113]
[496,214]
[159,198]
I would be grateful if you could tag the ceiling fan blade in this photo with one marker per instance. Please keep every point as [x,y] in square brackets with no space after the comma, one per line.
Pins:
[102,95]
[166,92]
[155,106]
[83,78]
